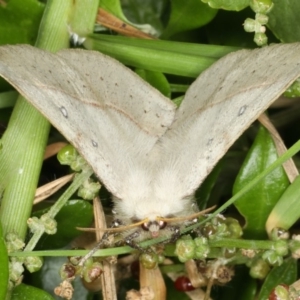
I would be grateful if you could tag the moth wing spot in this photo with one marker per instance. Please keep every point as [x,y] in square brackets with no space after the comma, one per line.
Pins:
[64,111]
[209,142]
[242,110]
[94,143]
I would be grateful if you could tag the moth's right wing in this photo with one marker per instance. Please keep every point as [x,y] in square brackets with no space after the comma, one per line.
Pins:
[218,107]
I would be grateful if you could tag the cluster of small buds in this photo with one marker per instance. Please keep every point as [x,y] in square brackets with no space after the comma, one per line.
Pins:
[44,223]
[89,272]
[68,155]
[220,227]
[13,242]
[33,263]
[257,25]
[89,189]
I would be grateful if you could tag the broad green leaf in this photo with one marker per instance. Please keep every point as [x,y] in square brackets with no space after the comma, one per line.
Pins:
[187,15]
[146,12]
[19,21]
[114,7]
[142,12]
[4,266]
[76,213]
[157,80]
[284,20]
[286,212]
[286,274]
[257,204]
[25,292]
[228,4]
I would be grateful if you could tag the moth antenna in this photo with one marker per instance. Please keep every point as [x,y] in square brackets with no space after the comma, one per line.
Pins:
[124,228]
[94,250]
[118,229]
[192,216]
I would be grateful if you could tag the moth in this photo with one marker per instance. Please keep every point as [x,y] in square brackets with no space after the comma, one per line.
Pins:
[149,155]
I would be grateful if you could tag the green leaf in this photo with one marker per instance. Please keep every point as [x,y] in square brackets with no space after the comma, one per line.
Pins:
[187,15]
[146,17]
[114,7]
[25,292]
[204,191]
[257,204]
[284,274]
[228,4]
[148,12]
[19,21]
[4,274]
[76,213]
[287,210]
[157,80]
[284,20]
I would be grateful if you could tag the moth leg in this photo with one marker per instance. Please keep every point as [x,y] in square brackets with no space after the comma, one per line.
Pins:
[102,242]
[175,235]
[129,240]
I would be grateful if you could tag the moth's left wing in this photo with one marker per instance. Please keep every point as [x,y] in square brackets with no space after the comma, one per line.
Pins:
[222,103]
[111,116]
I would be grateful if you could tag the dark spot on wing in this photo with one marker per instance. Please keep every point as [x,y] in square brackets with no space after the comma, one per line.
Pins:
[242,110]
[64,111]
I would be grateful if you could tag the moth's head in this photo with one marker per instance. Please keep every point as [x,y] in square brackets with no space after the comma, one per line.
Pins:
[154,227]
[163,227]
[151,219]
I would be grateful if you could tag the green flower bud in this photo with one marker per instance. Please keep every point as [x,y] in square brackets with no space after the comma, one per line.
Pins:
[251,25]
[185,248]
[92,272]
[34,224]
[272,258]
[33,263]
[262,19]
[13,242]
[259,269]
[281,247]
[202,248]
[261,6]
[89,189]
[260,39]
[149,260]
[67,155]
[234,228]
[16,269]
[294,246]
[50,224]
